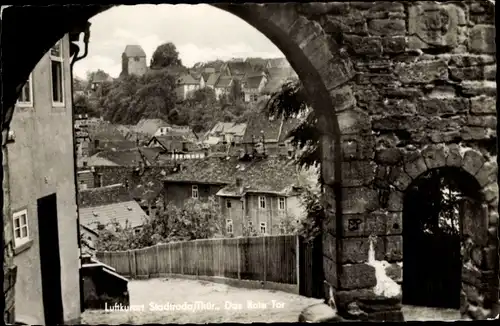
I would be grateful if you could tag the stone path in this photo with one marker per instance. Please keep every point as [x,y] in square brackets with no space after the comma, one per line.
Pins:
[230,304]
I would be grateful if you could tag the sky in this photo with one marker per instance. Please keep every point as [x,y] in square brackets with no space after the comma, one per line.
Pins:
[200,33]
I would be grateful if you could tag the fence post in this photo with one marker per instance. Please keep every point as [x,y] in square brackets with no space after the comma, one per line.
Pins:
[265,256]
[135,263]
[197,259]
[238,257]
[169,257]
[157,264]
[297,262]
[182,257]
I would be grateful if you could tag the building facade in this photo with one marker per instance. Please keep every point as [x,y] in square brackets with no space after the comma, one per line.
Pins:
[134,61]
[42,188]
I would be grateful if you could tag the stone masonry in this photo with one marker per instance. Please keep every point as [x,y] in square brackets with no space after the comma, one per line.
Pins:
[399,88]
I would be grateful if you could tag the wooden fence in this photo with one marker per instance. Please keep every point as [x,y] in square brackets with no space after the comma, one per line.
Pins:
[263,258]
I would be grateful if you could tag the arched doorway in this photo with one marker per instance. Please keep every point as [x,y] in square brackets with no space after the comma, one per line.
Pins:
[435,208]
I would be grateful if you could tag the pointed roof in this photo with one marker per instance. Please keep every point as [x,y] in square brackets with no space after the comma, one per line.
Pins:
[134,51]
[187,79]
[212,79]
[224,82]
[253,82]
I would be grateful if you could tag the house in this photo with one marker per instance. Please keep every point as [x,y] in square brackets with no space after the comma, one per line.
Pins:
[212,80]
[257,64]
[85,179]
[134,61]
[100,206]
[264,197]
[98,78]
[236,69]
[268,135]
[42,194]
[223,86]
[149,127]
[277,63]
[199,77]
[145,185]
[225,132]
[109,137]
[253,86]
[198,179]
[174,129]
[186,85]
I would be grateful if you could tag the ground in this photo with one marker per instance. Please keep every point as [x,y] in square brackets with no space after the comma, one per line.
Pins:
[178,291]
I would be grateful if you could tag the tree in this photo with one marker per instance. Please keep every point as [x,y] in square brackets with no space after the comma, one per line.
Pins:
[165,55]
[236,92]
[291,101]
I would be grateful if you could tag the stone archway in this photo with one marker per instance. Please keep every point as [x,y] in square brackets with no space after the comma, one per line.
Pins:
[478,243]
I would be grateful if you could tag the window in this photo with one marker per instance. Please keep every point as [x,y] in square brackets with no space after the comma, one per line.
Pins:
[26,97]
[194,191]
[229,226]
[21,234]
[263,227]
[228,203]
[137,59]
[281,202]
[56,59]
[262,202]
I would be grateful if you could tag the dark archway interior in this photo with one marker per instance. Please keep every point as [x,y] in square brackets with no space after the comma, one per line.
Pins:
[432,236]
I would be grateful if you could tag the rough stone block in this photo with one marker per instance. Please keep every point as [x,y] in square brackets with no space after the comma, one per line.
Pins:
[352,24]
[433,25]
[482,39]
[329,246]
[467,60]
[394,223]
[343,98]
[354,225]
[364,45]
[475,222]
[337,72]
[395,203]
[359,200]
[330,270]
[390,156]
[414,164]
[490,72]
[401,179]
[490,192]
[357,276]
[353,122]
[387,27]
[493,217]
[467,73]
[487,173]
[358,173]
[475,133]
[434,156]
[394,248]
[472,161]
[323,8]
[395,44]
[482,121]
[471,275]
[492,234]
[355,250]
[443,106]
[423,72]
[328,172]
[378,307]
[399,122]
[477,88]
[353,312]
[454,159]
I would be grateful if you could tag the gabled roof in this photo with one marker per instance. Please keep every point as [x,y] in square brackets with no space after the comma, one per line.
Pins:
[239,67]
[103,196]
[205,76]
[276,62]
[210,170]
[253,82]
[187,79]
[150,184]
[126,157]
[128,212]
[274,175]
[238,129]
[212,79]
[283,73]
[94,160]
[260,125]
[224,82]
[134,51]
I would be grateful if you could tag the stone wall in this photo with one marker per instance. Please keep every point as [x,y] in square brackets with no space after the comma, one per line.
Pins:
[423,96]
